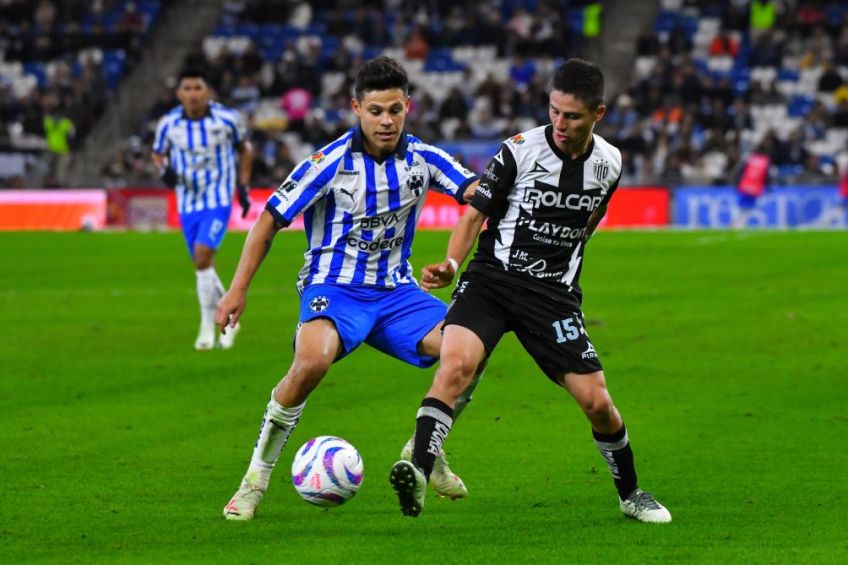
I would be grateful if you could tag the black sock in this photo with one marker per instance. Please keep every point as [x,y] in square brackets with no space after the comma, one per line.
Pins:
[616,450]
[431,428]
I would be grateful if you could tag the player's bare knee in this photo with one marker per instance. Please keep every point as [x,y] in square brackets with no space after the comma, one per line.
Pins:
[598,406]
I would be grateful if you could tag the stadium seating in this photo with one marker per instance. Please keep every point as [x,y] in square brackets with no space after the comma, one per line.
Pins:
[63,58]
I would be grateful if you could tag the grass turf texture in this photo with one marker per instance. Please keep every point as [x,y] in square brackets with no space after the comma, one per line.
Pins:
[724,352]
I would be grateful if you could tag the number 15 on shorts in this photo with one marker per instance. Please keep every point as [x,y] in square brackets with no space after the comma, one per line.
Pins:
[566,330]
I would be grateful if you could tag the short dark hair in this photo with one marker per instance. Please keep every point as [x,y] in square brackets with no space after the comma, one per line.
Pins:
[582,79]
[380,73]
[192,72]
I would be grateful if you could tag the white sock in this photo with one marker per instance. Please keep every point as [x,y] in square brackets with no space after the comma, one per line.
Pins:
[219,286]
[277,424]
[207,295]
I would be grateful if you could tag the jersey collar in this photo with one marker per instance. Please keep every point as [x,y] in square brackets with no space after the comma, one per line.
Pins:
[357,146]
[206,114]
[549,135]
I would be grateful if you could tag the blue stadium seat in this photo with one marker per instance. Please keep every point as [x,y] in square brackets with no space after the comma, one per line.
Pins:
[37,69]
[788,75]
[799,106]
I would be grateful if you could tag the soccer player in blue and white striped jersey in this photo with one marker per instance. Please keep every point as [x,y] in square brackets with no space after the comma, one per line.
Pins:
[360,196]
[201,149]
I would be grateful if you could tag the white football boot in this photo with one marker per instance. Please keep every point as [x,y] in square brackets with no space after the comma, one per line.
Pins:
[644,507]
[444,481]
[228,339]
[410,484]
[205,338]
[242,506]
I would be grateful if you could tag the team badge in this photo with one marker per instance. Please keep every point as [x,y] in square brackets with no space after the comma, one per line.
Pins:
[517,139]
[317,158]
[601,170]
[415,184]
[319,303]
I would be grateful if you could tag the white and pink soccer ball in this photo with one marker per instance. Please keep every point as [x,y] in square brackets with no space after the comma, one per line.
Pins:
[327,471]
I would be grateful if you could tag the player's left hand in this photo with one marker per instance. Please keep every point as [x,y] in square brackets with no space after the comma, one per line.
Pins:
[438,275]
[243,195]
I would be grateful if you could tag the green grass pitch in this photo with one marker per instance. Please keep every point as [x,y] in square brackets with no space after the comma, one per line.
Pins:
[725,353]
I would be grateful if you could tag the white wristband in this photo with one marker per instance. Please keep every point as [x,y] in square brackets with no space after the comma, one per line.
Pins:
[453,264]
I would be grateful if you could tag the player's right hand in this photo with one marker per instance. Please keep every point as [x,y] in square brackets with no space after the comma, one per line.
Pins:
[169,176]
[230,308]
[438,275]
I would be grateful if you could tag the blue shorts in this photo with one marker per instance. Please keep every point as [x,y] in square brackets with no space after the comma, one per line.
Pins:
[206,227]
[390,320]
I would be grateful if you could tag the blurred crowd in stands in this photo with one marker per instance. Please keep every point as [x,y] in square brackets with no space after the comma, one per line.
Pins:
[712,79]
[58,61]
[716,80]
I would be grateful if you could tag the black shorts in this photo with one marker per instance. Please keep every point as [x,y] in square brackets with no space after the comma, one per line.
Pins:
[551,331]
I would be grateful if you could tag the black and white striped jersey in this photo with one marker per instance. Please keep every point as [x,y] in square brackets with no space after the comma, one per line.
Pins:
[538,201]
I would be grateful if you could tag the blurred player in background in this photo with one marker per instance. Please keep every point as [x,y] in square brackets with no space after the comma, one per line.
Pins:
[200,149]
[753,182]
[544,194]
[361,196]
[837,217]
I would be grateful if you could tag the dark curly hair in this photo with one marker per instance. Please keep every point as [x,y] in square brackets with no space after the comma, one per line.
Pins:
[380,73]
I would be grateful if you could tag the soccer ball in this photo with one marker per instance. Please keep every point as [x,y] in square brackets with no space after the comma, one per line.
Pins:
[327,471]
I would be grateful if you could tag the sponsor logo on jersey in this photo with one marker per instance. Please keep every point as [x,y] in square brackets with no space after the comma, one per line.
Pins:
[555,199]
[537,270]
[317,157]
[551,229]
[517,139]
[489,174]
[376,245]
[601,169]
[319,303]
[284,189]
[379,221]
[348,173]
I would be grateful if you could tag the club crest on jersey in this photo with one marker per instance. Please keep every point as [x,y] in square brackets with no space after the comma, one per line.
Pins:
[319,303]
[601,169]
[317,158]
[415,184]
[517,139]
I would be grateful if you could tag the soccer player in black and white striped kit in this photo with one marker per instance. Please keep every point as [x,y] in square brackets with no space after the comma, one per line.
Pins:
[544,194]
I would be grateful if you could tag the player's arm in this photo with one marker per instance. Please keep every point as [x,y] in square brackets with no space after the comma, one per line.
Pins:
[487,199]
[158,160]
[232,304]
[245,166]
[245,160]
[595,219]
[460,243]
[468,194]
[168,175]
[601,211]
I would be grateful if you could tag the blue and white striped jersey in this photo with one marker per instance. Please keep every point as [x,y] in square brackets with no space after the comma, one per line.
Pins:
[202,152]
[359,213]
